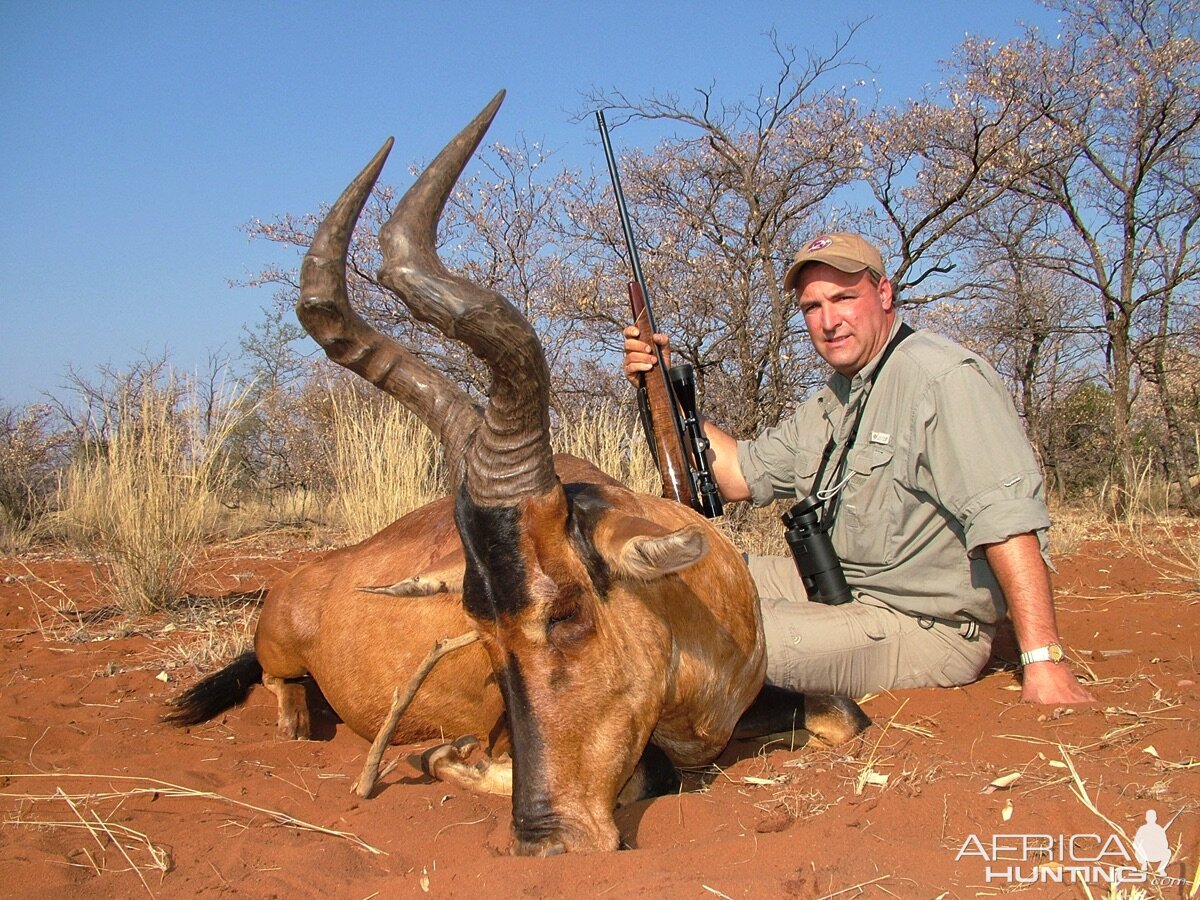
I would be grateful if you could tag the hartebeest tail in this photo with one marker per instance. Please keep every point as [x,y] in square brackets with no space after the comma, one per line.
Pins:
[218,692]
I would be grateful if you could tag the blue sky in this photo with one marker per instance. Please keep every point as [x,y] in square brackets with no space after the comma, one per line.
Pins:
[137,137]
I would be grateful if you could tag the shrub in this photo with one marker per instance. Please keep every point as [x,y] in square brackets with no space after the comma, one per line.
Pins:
[142,501]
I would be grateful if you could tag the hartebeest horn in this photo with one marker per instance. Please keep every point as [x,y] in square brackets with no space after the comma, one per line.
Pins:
[324,311]
[510,456]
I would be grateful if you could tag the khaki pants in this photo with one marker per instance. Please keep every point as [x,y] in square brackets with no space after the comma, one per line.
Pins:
[858,647]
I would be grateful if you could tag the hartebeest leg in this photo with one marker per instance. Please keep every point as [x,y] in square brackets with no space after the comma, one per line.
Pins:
[776,711]
[294,723]
[653,777]
[449,763]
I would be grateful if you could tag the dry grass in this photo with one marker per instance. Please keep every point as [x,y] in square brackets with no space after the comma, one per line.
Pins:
[14,538]
[756,531]
[611,439]
[276,511]
[142,503]
[212,632]
[385,462]
[154,789]
[1169,545]
[1071,526]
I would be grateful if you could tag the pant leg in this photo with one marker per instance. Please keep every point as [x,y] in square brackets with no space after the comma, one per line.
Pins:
[857,647]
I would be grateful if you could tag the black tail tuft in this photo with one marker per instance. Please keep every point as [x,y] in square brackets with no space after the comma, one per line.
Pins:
[216,693]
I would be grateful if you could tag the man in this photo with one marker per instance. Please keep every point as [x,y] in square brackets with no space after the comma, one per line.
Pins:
[936,498]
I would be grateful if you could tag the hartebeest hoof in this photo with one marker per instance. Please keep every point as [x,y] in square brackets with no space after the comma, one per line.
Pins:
[539,848]
[294,723]
[450,763]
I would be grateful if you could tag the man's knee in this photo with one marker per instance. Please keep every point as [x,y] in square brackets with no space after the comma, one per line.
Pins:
[776,577]
[846,650]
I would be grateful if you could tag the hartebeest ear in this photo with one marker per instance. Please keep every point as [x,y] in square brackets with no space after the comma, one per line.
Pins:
[643,550]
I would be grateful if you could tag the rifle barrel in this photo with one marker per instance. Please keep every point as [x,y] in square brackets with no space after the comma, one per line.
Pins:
[623,211]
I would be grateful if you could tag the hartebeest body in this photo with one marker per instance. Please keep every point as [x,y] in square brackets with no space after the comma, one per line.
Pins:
[610,621]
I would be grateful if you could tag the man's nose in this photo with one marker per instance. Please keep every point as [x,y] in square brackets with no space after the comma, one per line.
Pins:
[829,318]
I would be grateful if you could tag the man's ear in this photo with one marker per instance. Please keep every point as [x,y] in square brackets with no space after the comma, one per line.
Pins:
[639,549]
[885,294]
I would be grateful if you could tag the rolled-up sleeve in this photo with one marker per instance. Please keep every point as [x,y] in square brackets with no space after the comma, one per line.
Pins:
[781,461]
[768,463]
[976,460]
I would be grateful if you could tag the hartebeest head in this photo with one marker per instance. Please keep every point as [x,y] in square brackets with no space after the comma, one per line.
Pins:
[556,580]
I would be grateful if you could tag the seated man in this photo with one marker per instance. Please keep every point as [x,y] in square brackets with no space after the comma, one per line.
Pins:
[933,491]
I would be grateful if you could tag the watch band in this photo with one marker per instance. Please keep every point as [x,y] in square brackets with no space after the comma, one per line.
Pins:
[1050,653]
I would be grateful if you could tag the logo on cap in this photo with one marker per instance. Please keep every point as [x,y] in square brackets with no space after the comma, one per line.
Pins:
[819,244]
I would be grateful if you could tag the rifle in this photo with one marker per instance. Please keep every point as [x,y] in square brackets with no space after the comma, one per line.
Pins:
[666,399]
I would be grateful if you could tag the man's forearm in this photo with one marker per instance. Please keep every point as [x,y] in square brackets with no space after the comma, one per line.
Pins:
[1025,580]
[724,462]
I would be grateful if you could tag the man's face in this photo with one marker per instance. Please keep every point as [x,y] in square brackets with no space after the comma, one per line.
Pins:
[848,316]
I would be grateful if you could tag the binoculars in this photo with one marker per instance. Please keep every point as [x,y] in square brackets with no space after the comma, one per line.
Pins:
[818,563]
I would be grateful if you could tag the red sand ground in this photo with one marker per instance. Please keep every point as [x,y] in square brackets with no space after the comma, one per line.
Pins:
[80,740]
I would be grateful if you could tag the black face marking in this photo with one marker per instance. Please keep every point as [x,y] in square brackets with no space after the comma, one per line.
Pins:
[586,509]
[494,581]
[534,818]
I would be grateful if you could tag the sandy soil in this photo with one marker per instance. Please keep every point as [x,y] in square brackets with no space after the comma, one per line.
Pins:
[97,798]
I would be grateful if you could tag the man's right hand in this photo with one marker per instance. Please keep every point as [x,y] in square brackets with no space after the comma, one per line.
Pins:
[639,359]
[639,356]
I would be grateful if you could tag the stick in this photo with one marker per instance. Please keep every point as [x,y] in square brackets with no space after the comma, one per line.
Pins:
[400,701]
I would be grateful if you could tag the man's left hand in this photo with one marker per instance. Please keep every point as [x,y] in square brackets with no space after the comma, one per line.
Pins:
[1053,683]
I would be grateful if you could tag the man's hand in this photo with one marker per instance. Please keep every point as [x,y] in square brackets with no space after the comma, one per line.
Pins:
[639,356]
[1052,683]
[1025,580]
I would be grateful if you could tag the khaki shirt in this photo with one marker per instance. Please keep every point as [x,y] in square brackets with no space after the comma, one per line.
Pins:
[940,468]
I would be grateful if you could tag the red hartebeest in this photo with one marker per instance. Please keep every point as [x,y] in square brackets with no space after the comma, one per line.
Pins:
[611,622]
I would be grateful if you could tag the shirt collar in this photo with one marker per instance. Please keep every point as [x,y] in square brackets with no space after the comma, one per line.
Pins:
[843,387]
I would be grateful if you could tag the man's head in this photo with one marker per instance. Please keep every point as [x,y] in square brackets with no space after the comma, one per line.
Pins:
[846,299]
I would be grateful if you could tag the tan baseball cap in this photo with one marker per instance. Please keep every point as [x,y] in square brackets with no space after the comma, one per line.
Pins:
[844,251]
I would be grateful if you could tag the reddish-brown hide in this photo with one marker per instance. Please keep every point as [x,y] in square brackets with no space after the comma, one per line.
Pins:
[608,619]
[669,658]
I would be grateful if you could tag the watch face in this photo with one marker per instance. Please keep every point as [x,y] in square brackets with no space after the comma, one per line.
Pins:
[1056,652]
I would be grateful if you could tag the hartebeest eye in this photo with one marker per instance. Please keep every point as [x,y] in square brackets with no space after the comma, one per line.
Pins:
[568,620]
[559,616]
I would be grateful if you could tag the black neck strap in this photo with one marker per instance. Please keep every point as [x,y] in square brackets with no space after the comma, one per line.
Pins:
[827,516]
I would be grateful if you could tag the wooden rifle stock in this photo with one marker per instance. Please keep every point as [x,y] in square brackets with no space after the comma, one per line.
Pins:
[666,430]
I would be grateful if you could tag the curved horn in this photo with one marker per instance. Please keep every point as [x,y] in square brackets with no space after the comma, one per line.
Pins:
[510,456]
[325,312]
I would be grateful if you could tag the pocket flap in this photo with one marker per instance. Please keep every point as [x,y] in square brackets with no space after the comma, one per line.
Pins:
[862,460]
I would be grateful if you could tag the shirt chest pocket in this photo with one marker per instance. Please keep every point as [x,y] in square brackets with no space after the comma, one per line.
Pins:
[806,459]
[868,506]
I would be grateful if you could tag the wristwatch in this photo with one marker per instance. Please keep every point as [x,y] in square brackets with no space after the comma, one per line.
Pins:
[1050,653]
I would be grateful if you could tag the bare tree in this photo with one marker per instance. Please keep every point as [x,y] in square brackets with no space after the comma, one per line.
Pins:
[1029,321]
[722,205]
[1116,155]
[935,163]
[32,445]
[92,404]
